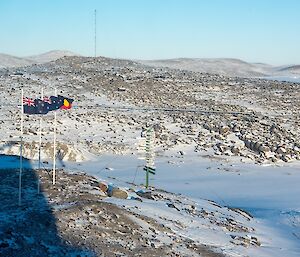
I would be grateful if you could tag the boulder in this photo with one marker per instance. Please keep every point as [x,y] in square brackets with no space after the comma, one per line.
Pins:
[235,150]
[222,147]
[145,194]
[117,192]
[263,149]
[285,158]
[103,187]
[247,143]
[256,146]
[224,130]
[281,150]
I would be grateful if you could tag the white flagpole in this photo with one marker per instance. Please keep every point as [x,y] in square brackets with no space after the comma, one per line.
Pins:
[40,145]
[21,149]
[54,143]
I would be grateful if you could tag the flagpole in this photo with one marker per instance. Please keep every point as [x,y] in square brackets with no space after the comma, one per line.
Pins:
[95,33]
[21,149]
[54,143]
[40,146]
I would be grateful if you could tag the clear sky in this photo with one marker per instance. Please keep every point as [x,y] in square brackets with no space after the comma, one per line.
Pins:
[253,30]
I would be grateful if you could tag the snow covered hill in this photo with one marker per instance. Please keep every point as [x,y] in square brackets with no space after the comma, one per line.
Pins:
[294,69]
[7,61]
[222,66]
[227,67]
[50,56]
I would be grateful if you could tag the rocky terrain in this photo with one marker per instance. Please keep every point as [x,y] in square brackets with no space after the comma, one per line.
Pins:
[210,115]
[73,218]
[253,119]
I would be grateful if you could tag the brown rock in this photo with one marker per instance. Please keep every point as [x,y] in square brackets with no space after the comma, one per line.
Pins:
[223,130]
[103,187]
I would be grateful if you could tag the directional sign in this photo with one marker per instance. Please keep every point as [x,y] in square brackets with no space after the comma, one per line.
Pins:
[150,170]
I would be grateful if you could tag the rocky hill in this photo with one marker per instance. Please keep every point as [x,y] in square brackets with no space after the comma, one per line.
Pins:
[251,118]
[50,56]
[294,69]
[7,61]
[227,67]
[222,66]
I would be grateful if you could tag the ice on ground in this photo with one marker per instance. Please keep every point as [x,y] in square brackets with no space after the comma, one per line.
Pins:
[269,193]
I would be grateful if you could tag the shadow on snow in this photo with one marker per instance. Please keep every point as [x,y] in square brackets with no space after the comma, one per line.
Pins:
[29,229]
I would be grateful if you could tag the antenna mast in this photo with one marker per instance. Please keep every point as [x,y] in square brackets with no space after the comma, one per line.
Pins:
[95,32]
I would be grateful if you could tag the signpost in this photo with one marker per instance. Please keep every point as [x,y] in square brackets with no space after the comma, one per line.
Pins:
[149,148]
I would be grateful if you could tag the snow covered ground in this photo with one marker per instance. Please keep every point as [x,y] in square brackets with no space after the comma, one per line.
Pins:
[271,194]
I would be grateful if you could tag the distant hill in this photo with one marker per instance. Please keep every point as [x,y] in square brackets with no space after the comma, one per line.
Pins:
[8,61]
[294,69]
[50,56]
[223,66]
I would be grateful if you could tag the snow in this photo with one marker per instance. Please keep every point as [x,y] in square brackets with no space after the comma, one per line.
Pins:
[269,193]
[288,78]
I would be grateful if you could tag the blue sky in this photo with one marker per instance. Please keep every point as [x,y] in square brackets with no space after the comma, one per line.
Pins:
[253,30]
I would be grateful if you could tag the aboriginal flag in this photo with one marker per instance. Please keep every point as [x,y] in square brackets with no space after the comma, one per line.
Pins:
[66,102]
[58,102]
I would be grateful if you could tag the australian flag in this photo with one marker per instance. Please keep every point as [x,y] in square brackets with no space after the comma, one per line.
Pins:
[39,106]
[34,106]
